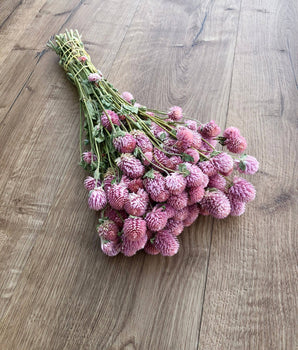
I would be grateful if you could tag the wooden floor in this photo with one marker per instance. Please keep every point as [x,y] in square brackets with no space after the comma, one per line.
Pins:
[233,283]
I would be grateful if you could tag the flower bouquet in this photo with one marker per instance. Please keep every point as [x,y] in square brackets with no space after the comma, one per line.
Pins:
[151,173]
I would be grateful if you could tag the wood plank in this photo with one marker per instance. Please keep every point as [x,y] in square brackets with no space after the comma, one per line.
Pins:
[58,290]
[251,289]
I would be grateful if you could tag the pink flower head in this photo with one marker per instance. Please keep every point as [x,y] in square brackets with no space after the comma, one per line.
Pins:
[155,128]
[216,203]
[195,177]
[217,181]
[223,162]
[109,117]
[136,203]
[160,197]
[195,194]
[134,228]
[118,216]
[156,219]
[94,77]
[210,129]
[135,184]
[125,144]
[191,124]
[197,140]
[108,230]
[181,214]
[127,96]
[88,157]
[90,182]
[194,154]
[205,181]
[193,213]
[207,167]
[159,158]
[247,165]
[175,160]
[151,249]
[130,165]
[147,158]
[97,199]
[184,138]
[125,180]
[175,113]
[170,144]
[231,132]
[169,210]
[237,208]
[156,185]
[117,196]
[206,146]
[242,190]
[142,141]
[109,176]
[129,247]
[82,58]
[174,227]
[166,243]
[175,183]
[178,201]
[236,144]
[110,248]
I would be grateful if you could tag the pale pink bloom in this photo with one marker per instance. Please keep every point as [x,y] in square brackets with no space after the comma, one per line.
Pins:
[130,165]
[142,141]
[107,116]
[242,190]
[129,247]
[207,167]
[195,178]
[147,158]
[88,157]
[161,196]
[231,132]
[118,216]
[82,58]
[159,158]
[156,129]
[137,105]
[174,227]
[136,203]
[110,248]
[217,181]
[156,219]
[97,199]
[184,138]
[205,181]
[90,182]
[151,249]
[191,124]
[175,113]
[223,162]
[125,180]
[134,228]
[125,144]
[178,201]
[195,194]
[156,186]
[117,196]
[210,129]
[166,243]
[176,160]
[127,96]
[169,210]
[94,77]
[216,203]
[206,146]
[181,214]
[250,164]
[197,140]
[170,144]
[193,211]
[175,183]
[108,230]
[135,184]
[237,207]
[236,144]
[194,154]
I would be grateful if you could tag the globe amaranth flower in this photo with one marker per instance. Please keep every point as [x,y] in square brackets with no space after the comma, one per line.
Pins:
[90,183]
[97,199]
[217,181]
[216,203]
[242,190]
[195,194]
[175,113]
[88,157]
[156,219]
[127,96]
[247,165]
[136,203]
[108,230]
[130,247]
[178,201]
[117,196]
[134,228]
[223,162]
[174,227]
[125,144]
[108,117]
[210,129]
[93,77]
[110,248]
[166,243]
[175,183]
[130,165]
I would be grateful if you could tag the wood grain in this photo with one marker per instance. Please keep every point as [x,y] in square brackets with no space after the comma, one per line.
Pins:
[232,285]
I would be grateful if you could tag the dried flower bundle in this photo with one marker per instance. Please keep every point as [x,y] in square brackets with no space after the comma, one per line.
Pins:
[151,173]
